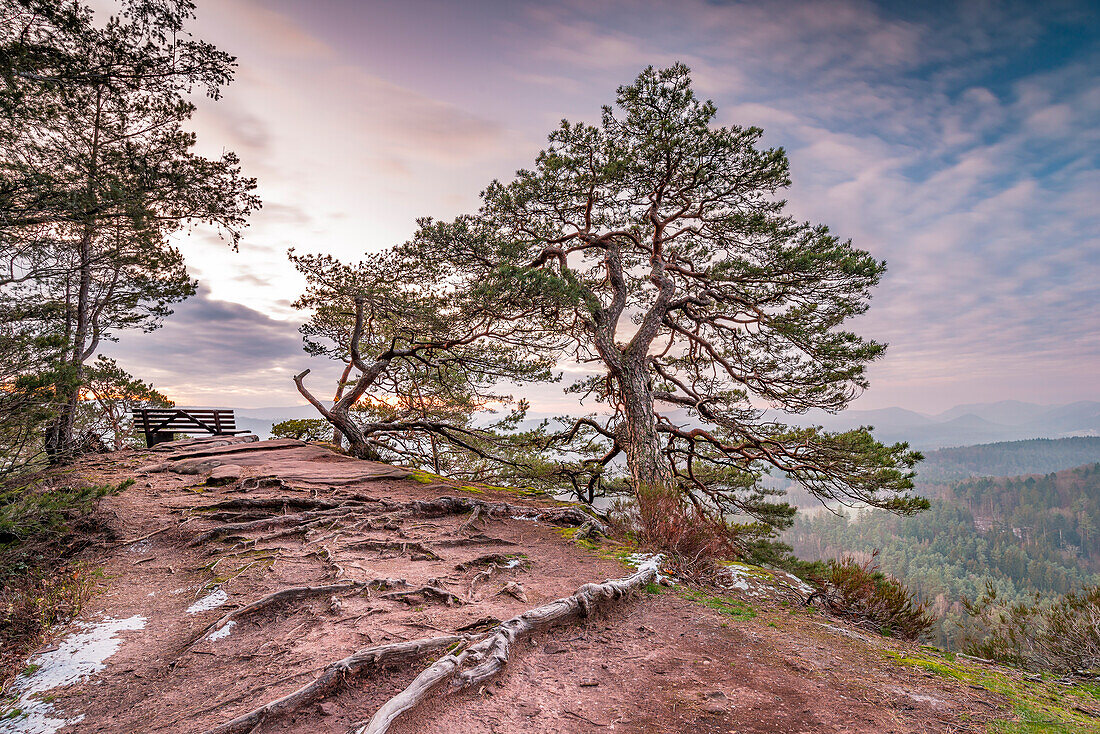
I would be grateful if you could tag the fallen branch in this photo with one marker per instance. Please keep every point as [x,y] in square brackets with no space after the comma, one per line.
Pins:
[486,658]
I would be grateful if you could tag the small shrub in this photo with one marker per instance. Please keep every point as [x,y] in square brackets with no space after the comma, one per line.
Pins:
[1061,635]
[303,429]
[41,526]
[691,541]
[31,512]
[32,603]
[861,593]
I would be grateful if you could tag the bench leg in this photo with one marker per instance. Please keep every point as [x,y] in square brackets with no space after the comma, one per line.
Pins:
[152,439]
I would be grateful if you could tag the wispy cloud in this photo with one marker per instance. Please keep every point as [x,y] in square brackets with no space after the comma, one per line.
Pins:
[960,142]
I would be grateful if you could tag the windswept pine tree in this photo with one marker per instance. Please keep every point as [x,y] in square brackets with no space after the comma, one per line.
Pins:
[653,249]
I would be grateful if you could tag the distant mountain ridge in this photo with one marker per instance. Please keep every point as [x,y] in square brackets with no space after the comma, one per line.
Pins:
[1007,459]
[962,425]
[966,425]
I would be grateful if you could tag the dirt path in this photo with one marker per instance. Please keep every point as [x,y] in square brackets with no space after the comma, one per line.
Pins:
[663,662]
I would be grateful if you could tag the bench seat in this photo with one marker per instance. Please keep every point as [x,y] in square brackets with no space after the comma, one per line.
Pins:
[160,424]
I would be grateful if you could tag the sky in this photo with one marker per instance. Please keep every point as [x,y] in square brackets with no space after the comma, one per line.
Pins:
[958,141]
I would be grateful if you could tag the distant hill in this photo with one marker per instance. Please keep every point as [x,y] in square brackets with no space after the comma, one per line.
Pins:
[965,425]
[1010,458]
[1025,534]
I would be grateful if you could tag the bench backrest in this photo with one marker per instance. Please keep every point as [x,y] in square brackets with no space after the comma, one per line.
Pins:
[174,420]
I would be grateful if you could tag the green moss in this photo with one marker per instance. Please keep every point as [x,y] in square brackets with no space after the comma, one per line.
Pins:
[586,543]
[721,604]
[747,569]
[522,491]
[653,588]
[1039,705]
[31,669]
[475,490]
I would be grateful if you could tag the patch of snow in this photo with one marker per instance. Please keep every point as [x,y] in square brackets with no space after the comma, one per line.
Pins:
[643,561]
[221,632]
[213,600]
[743,582]
[512,563]
[138,547]
[76,658]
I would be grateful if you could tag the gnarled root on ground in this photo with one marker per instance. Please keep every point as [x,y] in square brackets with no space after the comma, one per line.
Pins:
[484,659]
[470,525]
[415,551]
[292,593]
[267,523]
[463,667]
[422,594]
[316,512]
[333,676]
[571,516]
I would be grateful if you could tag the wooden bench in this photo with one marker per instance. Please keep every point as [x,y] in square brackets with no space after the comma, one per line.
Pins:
[159,424]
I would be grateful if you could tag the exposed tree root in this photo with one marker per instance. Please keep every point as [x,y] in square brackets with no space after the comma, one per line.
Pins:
[422,594]
[391,512]
[570,516]
[266,523]
[588,531]
[462,668]
[275,535]
[415,551]
[515,590]
[273,503]
[478,578]
[334,675]
[479,539]
[492,559]
[285,595]
[330,558]
[470,525]
[482,660]
[483,624]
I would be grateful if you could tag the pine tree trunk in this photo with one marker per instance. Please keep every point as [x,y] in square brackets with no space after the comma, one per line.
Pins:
[337,437]
[59,444]
[638,432]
